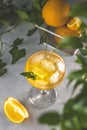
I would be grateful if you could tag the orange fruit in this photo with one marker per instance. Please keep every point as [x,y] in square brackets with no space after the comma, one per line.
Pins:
[64,31]
[56,12]
[74,23]
[14,110]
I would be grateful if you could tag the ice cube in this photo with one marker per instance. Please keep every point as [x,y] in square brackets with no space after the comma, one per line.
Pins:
[61,66]
[38,58]
[40,72]
[48,65]
[41,83]
[54,78]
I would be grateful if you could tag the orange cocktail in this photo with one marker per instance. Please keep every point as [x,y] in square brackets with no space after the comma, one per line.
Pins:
[47,70]
[48,67]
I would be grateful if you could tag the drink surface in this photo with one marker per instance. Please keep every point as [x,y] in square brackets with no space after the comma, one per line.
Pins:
[48,67]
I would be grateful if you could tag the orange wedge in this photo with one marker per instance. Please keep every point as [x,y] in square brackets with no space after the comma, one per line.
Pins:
[14,110]
[74,23]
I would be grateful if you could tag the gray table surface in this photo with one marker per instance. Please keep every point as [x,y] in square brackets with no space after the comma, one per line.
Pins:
[14,85]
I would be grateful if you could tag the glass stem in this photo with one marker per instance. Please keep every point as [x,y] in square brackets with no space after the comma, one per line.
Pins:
[43,92]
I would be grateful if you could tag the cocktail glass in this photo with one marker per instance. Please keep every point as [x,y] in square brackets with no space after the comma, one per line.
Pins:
[47,69]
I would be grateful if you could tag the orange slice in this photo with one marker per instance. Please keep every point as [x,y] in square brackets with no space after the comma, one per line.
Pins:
[14,110]
[74,23]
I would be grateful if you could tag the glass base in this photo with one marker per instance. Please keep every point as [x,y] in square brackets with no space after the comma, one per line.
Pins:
[42,98]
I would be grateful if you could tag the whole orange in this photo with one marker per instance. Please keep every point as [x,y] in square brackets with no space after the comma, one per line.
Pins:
[56,12]
[64,31]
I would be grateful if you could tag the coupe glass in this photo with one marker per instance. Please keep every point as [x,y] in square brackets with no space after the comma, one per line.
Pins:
[49,70]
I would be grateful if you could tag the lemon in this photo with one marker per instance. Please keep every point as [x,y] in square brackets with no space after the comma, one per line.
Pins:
[14,110]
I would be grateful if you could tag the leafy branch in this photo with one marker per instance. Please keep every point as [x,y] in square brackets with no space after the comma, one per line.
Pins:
[74,114]
[11,15]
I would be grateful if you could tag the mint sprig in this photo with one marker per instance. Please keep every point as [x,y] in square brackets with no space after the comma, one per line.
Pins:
[29,75]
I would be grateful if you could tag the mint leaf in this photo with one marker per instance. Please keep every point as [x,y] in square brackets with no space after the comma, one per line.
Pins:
[17,54]
[29,75]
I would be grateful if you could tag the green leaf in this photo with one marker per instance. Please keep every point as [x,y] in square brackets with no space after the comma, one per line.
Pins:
[50,118]
[80,108]
[83,51]
[36,4]
[76,75]
[22,15]
[71,42]
[3,70]
[4,22]
[80,10]
[35,16]
[42,3]
[82,26]
[82,60]
[17,41]
[75,112]
[17,54]
[29,75]
[84,35]
[71,124]
[83,94]
[68,113]
[1,2]
[32,31]
[77,84]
